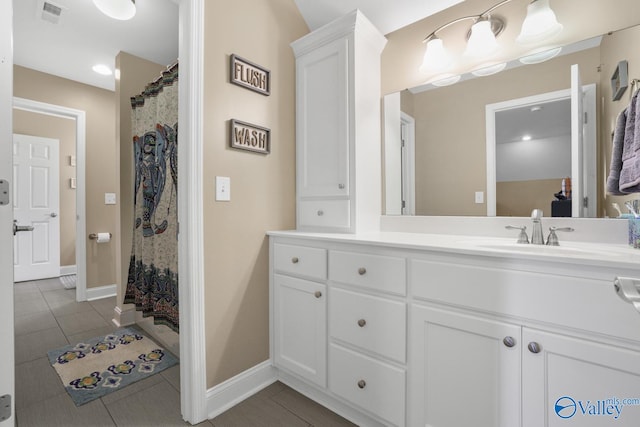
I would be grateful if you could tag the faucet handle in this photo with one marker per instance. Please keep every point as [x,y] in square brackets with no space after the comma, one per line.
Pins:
[522,237]
[552,240]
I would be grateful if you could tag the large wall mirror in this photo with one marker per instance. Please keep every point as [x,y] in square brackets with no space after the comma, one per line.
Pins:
[437,139]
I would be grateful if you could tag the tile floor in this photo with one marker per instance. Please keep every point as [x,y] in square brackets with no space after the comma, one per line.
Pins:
[47,317]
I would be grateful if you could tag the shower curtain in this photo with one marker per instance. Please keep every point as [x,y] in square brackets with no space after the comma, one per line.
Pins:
[152,283]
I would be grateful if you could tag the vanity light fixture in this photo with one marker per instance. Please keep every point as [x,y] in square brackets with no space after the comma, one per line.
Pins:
[445,80]
[121,10]
[540,24]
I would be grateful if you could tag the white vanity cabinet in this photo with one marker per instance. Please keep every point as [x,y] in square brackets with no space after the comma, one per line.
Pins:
[426,337]
[337,122]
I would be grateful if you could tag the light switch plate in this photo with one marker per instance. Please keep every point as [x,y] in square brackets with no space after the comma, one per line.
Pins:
[223,189]
[109,198]
[479,196]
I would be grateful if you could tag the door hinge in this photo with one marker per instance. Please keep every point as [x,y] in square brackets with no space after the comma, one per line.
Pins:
[404,204]
[585,202]
[5,407]
[586,120]
[4,192]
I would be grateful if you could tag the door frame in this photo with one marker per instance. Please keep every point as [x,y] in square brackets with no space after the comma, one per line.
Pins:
[79,117]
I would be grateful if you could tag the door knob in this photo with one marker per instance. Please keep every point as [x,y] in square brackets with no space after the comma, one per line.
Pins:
[53,214]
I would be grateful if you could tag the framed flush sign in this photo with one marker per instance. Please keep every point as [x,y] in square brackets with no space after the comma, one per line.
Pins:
[245,136]
[619,80]
[252,76]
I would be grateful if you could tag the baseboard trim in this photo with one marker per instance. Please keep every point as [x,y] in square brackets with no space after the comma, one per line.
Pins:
[68,270]
[123,317]
[101,292]
[234,390]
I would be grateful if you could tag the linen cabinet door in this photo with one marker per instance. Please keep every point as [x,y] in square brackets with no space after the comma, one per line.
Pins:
[322,132]
[569,382]
[463,370]
[300,328]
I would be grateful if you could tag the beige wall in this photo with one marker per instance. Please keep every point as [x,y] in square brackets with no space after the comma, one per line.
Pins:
[135,73]
[615,47]
[262,186]
[101,162]
[64,130]
[451,131]
[515,198]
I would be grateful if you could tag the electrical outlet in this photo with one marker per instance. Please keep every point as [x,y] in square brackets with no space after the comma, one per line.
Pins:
[109,198]
[223,189]
[479,196]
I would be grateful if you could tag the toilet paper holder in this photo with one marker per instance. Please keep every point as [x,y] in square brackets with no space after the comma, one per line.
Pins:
[94,236]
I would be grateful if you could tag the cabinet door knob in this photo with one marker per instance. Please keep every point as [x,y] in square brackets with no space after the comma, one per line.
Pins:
[509,341]
[534,347]
[295,260]
[362,384]
[341,186]
[362,322]
[362,271]
[318,294]
[320,212]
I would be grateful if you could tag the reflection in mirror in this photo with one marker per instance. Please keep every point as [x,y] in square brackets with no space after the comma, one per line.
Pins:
[450,129]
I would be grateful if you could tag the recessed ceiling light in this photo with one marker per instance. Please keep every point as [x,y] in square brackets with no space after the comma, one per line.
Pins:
[102,69]
[526,137]
[122,10]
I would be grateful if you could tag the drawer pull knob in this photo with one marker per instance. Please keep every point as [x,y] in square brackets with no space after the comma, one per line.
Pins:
[318,294]
[362,271]
[362,384]
[362,322]
[509,341]
[320,212]
[534,347]
[295,260]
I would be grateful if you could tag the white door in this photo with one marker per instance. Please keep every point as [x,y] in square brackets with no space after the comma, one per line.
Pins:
[465,371]
[569,382]
[577,143]
[7,362]
[36,204]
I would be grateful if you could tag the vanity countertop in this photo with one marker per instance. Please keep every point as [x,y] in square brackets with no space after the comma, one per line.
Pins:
[617,256]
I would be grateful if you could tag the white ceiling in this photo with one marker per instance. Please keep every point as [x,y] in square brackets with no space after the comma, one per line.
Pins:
[84,36]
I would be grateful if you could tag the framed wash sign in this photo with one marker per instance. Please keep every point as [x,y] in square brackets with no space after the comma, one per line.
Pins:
[252,76]
[245,136]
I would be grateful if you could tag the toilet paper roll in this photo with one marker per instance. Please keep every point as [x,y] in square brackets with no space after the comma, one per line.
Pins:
[103,238]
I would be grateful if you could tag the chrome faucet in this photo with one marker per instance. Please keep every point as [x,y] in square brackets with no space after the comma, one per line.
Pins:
[537,237]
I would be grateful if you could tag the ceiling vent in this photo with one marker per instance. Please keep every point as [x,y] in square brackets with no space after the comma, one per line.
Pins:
[51,12]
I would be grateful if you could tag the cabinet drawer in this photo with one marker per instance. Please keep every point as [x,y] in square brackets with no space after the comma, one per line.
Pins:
[300,260]
[383,273]
[572,302]
[373,323]
[373,385]
[324,213]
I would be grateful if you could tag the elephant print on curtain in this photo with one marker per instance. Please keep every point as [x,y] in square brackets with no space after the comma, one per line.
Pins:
[152,283]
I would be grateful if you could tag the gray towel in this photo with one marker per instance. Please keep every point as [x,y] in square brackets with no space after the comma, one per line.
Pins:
[630,172]
[613,181]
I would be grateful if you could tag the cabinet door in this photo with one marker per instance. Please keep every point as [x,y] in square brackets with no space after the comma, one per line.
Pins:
[322,121]
[300,328]
[573,382]
[461,372]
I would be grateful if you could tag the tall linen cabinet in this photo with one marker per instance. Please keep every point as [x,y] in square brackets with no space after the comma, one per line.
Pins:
[338,155]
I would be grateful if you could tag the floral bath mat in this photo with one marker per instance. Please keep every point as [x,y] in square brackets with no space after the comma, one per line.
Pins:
[102,365]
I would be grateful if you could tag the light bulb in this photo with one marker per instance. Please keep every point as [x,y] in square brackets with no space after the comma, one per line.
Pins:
[482,41]
[436,57]
[540,23]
